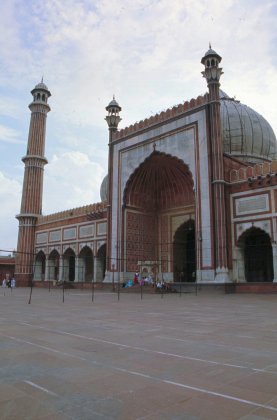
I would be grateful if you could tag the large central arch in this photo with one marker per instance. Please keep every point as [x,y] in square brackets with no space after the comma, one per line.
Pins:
[156,198]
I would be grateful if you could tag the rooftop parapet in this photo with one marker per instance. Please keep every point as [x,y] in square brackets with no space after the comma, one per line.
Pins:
[163,116]
[258,172]
[78,211]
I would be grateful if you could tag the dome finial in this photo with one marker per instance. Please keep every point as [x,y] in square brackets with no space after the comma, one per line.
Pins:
[210,46]
[41,79]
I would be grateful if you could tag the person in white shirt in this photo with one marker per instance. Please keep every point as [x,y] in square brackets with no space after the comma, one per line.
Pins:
[12,283]
[4,285]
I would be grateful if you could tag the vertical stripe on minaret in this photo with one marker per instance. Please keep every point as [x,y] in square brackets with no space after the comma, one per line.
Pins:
[212,74]
[113,120]
[31,201]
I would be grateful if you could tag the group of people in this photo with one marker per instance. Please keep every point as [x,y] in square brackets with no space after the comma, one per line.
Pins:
[147,280]
[10,283]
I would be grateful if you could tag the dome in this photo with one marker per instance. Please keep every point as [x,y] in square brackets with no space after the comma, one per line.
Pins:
[104,189]
[113,104]
[210,52]
[41,85]
[246,134]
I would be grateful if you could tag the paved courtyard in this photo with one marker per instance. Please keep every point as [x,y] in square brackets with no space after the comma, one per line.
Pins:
[210,356]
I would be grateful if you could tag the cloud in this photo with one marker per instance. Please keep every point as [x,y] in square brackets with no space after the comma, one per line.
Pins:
[71,180]
[10,195]
[145,52]
[9,135]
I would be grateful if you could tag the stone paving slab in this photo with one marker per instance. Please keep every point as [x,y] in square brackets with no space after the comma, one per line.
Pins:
[210,356]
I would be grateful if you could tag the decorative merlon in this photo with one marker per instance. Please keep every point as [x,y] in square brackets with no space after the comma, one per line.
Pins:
[78,211]
[173,112]
[258,172]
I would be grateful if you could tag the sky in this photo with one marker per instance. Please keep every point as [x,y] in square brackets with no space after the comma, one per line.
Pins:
[145,52]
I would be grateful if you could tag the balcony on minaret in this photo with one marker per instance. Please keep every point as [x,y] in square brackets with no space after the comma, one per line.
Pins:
[40,94]
[211,60]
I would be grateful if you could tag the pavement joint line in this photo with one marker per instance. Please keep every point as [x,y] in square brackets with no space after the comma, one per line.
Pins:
[20,340]
[202,390]
[216,345]
[41,388]
[130,372]
[179,356]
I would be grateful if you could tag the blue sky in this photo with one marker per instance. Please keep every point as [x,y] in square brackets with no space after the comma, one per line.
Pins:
[145,52]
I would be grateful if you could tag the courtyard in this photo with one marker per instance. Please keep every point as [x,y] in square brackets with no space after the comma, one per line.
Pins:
[205,356]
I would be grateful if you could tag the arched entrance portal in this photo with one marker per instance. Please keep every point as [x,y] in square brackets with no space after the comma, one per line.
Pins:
[258,259]
[53,264]
[100,263]
[184,252]
[157,196]
[69,265]
[39,269]
[85,264]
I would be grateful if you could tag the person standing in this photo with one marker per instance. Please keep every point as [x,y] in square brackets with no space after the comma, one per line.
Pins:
[12,284]
[4,285]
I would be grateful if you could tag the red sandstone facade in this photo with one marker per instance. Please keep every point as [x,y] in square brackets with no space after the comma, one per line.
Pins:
[181,202]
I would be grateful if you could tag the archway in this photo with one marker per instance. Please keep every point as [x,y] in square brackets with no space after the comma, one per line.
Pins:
[39,269]
[85,264]
[53,265]
[184,252]
[258,258]
[69,265]
[100,263]
[156,196]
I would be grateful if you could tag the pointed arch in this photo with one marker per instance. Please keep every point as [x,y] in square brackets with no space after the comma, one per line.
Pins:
[54,265]
[85,268]
[39,268]
[69,259]
[161,181]
[184,252]
[100,263]
[160,187]
[256,248]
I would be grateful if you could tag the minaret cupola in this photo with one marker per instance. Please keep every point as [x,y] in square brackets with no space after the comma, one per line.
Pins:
[113,118]
[40,94]
[211,62]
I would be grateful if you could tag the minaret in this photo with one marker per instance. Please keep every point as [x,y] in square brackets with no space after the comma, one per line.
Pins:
[113,119]
[212,74]
[31,201]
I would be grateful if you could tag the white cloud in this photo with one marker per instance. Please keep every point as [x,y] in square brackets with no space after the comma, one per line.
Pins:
[10,194]
[71,180]
[9,135]
[145,52]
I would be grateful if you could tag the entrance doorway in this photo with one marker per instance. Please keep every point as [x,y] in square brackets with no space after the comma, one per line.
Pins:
[69,265]
[184,252]
[258,259]
[86,264]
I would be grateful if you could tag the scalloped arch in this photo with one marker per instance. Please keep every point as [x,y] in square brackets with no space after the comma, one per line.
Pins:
[161,181]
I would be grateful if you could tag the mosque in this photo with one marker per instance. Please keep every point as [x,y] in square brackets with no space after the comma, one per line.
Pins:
[190,196]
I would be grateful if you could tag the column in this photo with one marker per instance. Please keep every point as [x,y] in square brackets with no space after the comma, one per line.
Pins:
[76,269]
[274,256]
[46,275]
[61,268]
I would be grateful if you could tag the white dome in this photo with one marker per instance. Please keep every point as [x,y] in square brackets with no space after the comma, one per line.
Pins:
[104,189]
[41,85]
[246,134]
